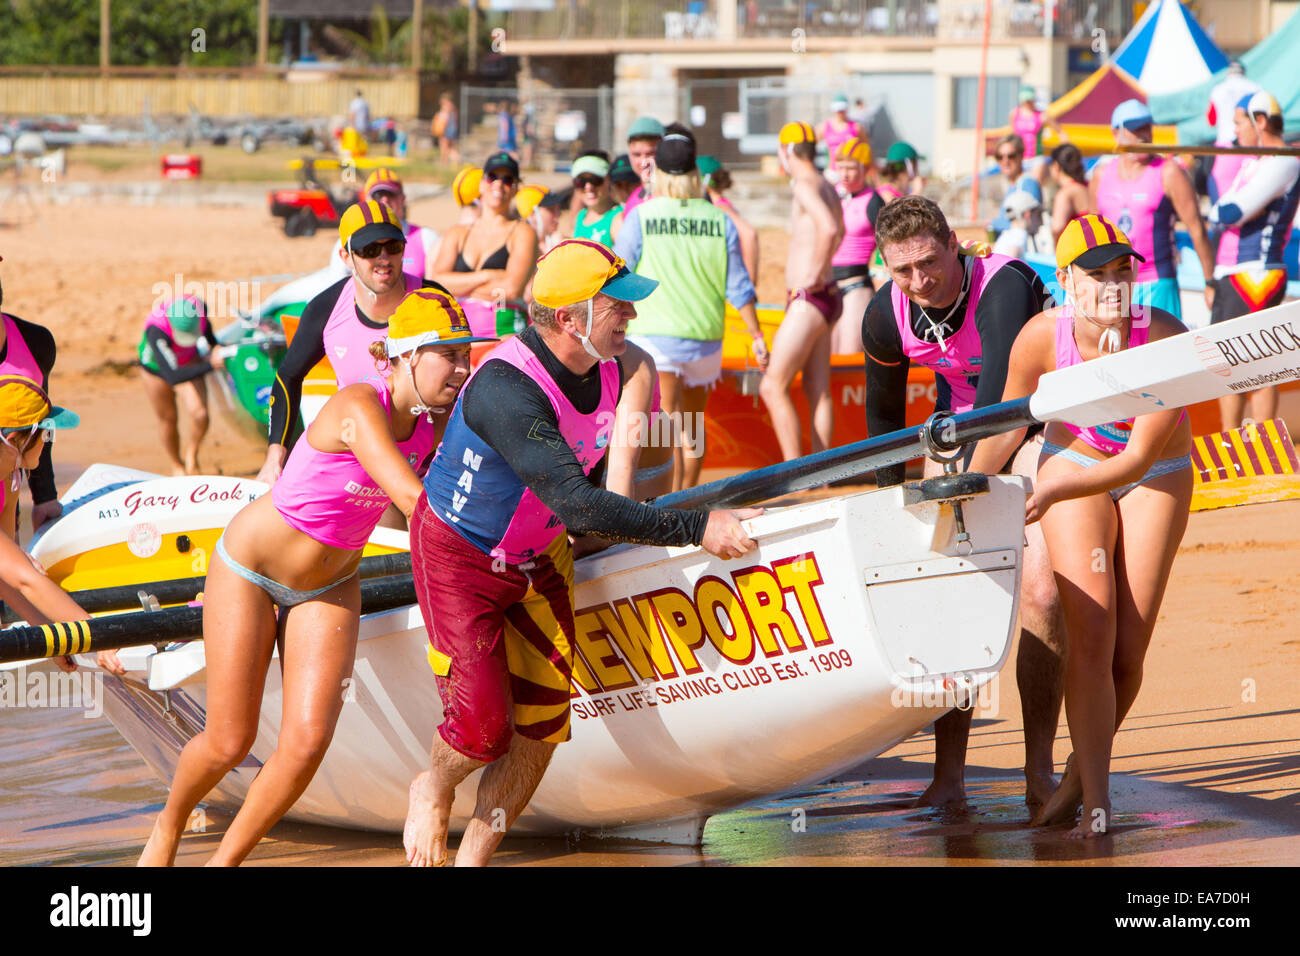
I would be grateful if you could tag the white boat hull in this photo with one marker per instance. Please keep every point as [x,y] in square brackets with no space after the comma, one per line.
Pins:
[848,631]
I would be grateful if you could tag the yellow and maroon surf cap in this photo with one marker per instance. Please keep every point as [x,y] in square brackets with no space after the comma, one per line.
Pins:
[794,133]
[465,187]
[576,269]
[527,199]
[366,222]
[855,149]
[1092,241]
[428,317]
[382,180]
[24,404]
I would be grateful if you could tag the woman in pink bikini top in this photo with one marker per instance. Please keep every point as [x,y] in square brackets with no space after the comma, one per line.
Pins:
[297,549]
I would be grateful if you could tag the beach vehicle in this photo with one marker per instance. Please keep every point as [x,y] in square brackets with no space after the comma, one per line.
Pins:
[698,684]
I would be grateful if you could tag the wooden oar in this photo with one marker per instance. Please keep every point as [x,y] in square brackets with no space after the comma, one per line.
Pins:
[173,624]
[1229,357]
[1158,148]
[127,597]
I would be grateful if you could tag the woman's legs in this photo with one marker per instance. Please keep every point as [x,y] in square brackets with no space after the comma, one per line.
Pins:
[163,399]
[320,644]
[801,334]
[694,399]
[238,635]
[1081,537]
[846,337]
[193,397]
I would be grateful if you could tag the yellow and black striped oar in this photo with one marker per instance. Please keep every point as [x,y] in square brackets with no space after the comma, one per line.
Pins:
[173,624]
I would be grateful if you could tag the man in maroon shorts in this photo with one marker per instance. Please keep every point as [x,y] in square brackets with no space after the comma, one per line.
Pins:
[517,470]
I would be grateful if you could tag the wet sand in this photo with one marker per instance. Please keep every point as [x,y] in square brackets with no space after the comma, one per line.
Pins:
[1207,768]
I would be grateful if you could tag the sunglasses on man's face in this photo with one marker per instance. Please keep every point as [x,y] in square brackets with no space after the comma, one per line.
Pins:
[505,179]
[389,247]
[586,181]
[1004,157]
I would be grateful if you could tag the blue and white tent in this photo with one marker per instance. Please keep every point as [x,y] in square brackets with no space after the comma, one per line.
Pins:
[1167,50]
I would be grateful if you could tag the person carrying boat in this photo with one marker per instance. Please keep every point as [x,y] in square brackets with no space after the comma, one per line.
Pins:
[958,315]
[176,352]
[487,265]
[341,322]
[851,264]
[1256,211]
[297,549]
[1112,501]
[1143,194]
[802,343]
[27,424]
[516,473]
[28,350]
[692,249]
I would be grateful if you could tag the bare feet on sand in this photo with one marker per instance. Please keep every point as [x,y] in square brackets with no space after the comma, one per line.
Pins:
[1039,788]
[425,832]
[1095,823]
[949,794]
[1063,805]
[161,848]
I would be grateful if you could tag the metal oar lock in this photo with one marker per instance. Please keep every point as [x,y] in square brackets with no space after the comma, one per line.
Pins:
[950,488]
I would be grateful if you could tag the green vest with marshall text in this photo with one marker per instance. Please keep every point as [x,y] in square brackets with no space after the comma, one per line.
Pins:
[684,246]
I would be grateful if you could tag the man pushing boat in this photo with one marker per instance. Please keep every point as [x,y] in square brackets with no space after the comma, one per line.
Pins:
[958,315]
[517,471]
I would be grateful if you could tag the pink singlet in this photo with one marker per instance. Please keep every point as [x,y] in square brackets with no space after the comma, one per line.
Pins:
[962,361]
[329,497]
[413,259]
[18,357]
[835,137]
[1027,127]
[859,237]
[347,340]
[1110,439]
[185,354]
[1145,214]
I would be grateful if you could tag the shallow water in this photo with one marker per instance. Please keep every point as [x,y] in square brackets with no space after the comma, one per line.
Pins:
[73,793]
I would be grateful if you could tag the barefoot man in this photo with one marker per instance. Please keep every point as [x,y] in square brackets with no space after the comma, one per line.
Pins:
[518,470]
[812,298]
[958,315]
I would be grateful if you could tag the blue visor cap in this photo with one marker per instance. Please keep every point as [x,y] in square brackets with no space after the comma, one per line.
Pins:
[1131,114]
[628,286]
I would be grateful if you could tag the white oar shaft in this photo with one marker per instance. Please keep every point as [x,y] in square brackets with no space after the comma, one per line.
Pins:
[1234,356]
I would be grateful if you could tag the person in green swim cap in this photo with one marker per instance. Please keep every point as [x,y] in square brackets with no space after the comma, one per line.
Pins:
[173,363]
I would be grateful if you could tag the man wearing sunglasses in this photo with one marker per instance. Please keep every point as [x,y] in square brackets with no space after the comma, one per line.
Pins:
[517,472]
[599,217]
[1142,194]
[341,322]
[27,349]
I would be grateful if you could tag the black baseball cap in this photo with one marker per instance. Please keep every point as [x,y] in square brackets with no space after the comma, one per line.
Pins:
[621,171]
[557,197]
[675,154]
[501,160]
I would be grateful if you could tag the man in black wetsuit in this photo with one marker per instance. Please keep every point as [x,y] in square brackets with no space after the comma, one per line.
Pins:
[517,471]
[963,314]
[350,314]
[27,349]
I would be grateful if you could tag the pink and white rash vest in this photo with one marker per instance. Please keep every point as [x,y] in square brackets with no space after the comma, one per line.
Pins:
[414,259]
[1144,213]
[185,354]
[18,357]
[859,242]
[347,340]
[329,497]
[472,489]
[1112,438]
[960,364]
[1027,126]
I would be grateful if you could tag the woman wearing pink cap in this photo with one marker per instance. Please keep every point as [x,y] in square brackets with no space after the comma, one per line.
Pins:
[297,549]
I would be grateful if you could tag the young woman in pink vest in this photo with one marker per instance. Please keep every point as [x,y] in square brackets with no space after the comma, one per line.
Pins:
[27,349]
[851,264]
[341,323]
[1112,502]
[297,549]
[173,363]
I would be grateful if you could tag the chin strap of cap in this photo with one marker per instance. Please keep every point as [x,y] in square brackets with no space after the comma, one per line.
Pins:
[585,337]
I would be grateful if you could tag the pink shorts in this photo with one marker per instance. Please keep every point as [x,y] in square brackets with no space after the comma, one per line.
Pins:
[500,636]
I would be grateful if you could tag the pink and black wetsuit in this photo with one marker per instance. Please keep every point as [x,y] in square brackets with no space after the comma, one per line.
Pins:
[162,356]
[29,351]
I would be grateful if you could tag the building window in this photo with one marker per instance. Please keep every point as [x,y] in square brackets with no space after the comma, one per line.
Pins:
[999,100]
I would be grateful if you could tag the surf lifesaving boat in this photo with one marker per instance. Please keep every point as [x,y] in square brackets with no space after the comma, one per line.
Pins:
[699,684]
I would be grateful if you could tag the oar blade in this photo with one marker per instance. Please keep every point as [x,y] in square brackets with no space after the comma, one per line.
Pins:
[1235,356]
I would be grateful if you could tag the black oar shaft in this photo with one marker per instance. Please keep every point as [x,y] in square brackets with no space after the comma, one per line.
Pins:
[851,461]
[126,597]
[157,627]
